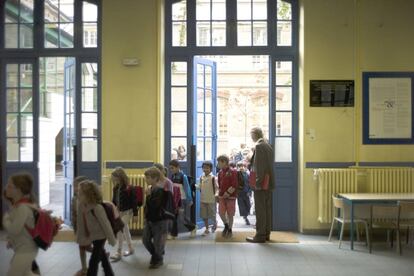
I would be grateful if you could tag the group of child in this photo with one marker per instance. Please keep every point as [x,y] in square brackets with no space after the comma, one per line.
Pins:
[167,205]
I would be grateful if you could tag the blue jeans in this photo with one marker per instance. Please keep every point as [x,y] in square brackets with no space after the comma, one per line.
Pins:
[154,238]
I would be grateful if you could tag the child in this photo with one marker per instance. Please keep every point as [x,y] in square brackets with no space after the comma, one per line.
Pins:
[93,224]
[19,193]
[156,227]
[208,187]
[227,181]
[243,197]
[125,202]
[180,180]
[168,185]
[84,245]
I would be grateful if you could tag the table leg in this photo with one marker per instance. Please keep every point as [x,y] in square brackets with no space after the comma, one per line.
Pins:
[352,226]
[338,226]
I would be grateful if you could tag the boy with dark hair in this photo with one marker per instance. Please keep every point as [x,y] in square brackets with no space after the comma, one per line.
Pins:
[227,181]
[179,179]
[243,197]
[208,188]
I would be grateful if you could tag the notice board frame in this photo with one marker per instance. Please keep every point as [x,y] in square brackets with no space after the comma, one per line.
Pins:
[366,89]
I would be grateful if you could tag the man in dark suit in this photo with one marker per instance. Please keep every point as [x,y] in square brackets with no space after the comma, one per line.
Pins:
[262,165]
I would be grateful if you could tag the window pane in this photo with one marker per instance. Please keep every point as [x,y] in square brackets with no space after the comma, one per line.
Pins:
[283,124]
[283,149]
[284,33]
[200,124]
[12,101]
[12,150]
[66,10]
[209,125]
[90,35]
[89,125]
[90,99]
[26,125]
[66,35]
[203,10]
[244,34]
[200,149]
[208,147]
[12,75]
[179,11]
[179,35]
[208,76]
[26,150]
[283,98]
[284,10]
[259,33]
[244,10]
[26,36]
[203,34]
[200,100]
[219,10]
[11,35]
[26,11]
[26,100]
[51,35]
[259,9]
[178,99]
[178,124]
[89,149]
[89,75]
[51,11]
[284,73]
[26,75]
[219,34]
[90,12]
[209,101]
[178,148]
[12,125]
[179,73]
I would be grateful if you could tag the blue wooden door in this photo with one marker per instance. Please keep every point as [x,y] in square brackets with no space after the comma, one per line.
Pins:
[19,126]
[204,119]
[69,133]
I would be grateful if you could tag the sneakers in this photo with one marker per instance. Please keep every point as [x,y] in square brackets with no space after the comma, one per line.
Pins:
[206,232]
[156,264]
[81,272]
[129,252]
[117,257]
[214,228]
[226,229]
[194,232]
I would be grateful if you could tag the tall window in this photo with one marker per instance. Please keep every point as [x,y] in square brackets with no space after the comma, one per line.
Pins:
[18,31]
[251,22]
[211,22]
[284,23]
[179,24]
[90,24]
[59,23]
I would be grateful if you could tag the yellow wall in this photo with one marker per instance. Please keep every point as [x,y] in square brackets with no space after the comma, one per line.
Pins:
[339,40]
[130,94]
[342,39]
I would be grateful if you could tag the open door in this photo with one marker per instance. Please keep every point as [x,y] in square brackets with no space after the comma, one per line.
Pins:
[69,133]
[205,123]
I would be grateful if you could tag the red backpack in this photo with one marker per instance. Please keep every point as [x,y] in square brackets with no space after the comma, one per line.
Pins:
[137,193]
[45,228]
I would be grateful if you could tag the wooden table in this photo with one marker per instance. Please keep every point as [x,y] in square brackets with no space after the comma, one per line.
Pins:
[371,199]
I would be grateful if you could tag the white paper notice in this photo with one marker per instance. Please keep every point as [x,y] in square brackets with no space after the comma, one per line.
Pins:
[390,108]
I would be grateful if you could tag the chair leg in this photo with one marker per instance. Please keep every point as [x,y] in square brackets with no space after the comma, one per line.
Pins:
[341,235]
[357,231]
[330,232]
[399,241]
[366,234]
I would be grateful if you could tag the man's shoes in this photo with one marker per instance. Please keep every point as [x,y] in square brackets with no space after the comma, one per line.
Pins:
[156,265]
[255,240]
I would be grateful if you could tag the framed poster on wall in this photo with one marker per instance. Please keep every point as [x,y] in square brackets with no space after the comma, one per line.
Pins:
[388,107]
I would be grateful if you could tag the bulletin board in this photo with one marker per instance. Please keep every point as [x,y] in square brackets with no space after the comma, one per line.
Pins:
[388,102]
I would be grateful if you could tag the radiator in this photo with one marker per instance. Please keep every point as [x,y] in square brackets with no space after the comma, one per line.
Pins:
[333,181]
[135,180]
[391,180]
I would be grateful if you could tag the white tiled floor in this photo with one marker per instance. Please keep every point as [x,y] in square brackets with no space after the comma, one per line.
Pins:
[202,256]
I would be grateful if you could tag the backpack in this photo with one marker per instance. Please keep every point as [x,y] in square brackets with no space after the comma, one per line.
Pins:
[240,182]
[137,194]
[45,227]
[168,211]
[113,217]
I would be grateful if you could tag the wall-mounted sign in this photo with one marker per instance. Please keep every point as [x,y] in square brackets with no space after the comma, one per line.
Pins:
[328,93]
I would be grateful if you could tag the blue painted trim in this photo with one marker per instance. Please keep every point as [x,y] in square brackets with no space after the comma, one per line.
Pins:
[318,165]
[386,164]
[365,85]
[129,164]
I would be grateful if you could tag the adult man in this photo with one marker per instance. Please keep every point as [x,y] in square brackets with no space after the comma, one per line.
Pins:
[262,167]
